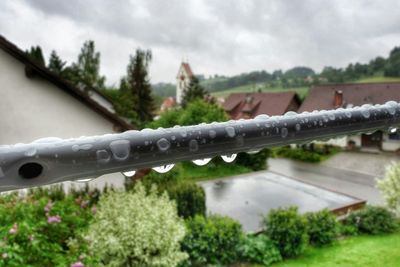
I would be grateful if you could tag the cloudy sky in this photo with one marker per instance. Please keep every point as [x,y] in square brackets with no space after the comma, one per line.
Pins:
[216,36]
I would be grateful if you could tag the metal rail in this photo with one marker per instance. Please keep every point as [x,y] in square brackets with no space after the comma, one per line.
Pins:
[52,160]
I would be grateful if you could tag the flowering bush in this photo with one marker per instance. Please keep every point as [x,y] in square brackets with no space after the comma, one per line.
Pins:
[136,228]
[38,229]
[390,187]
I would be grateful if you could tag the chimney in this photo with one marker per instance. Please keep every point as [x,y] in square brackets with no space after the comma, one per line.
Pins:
[338,98]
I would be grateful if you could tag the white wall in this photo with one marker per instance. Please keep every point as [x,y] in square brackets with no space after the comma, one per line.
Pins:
[390,145]
[35,108]
[181,85]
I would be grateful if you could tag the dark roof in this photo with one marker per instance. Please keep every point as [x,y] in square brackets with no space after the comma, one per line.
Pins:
[249,105]
[63,84]
[188,69]
[322,96]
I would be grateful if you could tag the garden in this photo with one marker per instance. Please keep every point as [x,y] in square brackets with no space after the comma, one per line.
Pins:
[161,221]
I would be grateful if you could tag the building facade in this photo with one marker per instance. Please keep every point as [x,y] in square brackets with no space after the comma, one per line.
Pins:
[183,78]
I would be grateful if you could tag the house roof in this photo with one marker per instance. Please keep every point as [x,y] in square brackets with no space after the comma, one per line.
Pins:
[322,96]
[168,103]
[245,105]
[187,69]
[63,84]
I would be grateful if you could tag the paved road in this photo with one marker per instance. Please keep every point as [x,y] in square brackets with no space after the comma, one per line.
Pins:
[356,182]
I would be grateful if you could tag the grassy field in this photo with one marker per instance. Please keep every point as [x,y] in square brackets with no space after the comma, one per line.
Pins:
[302,91]
[362,251]
[377,79]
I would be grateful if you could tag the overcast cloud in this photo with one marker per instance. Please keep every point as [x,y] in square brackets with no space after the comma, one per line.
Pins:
[216,36]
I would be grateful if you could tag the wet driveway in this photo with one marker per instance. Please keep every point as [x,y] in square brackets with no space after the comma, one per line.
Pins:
[248,197]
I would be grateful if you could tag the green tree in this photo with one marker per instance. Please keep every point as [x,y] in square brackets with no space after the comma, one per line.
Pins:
[392,67]
[36,54]
[56,65]
[193,91]
[88,66]
[138,83]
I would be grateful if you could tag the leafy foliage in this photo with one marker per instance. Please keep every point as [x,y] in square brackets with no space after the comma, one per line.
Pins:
[322,227]
[193,91]
[36,54]
[255,162]
[287,229]
[373,220]
[315,154]
[43,228]
[390,187]
[190,199]
[136,228]
[260,249]
[392,67]
[212,240]
[56,65]
[138,85]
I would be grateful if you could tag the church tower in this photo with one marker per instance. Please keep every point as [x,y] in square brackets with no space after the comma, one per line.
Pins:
[183,78]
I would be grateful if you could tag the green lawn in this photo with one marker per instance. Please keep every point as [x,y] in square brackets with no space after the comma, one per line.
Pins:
[377,79]
[188,170]
[362,251]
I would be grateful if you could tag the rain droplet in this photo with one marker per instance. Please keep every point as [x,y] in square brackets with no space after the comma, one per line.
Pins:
[230,131]
[391,107]
[129,173]
[212,134]
[229,158]
[85,180]
[284,132]
[102,156]
[47,140]
[297,127]
[331,116]
[193,146]
[252,152]
[76,148]
[365,112]
[173,138]
[262,117]
[30,152]
[164,168]
[290,113]
[163,144]
[201,162]
[120,149]
[348,114]
[183,133]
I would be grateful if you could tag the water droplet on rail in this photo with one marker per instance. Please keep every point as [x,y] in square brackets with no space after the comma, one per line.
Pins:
[331,116]
[391,107]
[164,168]
[290,113]
[193,146]
[348,114]
[230,131]
[129,173]
[163,144]
[284,132]
[102,156]
[262,117]
[30,152]
[85,180]
[173,137]
[201,162]
[212,134]
[365,112]
[252,152]
[47,140]
[120,149]
[297,127]
[183,133]
[229,158]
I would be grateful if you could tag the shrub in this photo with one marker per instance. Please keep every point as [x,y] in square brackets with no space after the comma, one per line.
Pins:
[190,199]
[136,228]
[390,187]
[372,220]
[255,162]
[212,240]
[287,229]
[36,230]
[260,249]
[322,227]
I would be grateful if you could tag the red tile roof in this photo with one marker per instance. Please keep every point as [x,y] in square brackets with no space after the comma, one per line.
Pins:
[323,96]
[249,105]
[168,103]
[187,69]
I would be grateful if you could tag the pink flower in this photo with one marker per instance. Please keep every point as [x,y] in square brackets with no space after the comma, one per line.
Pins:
[53,219]
[48,207]
[14,229]
[77,264]
[94,209]
[81,257]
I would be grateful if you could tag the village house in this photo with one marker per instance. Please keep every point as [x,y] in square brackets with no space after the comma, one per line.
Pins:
[36,103]
[249,105]
[183,78]
[327,97]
